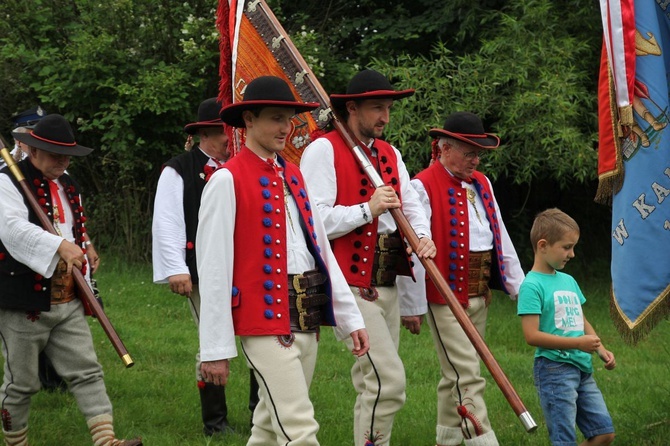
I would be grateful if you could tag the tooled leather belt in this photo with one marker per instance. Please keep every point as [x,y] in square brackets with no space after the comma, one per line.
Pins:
[479,273]
[62,285]
[389,252]
[306,295]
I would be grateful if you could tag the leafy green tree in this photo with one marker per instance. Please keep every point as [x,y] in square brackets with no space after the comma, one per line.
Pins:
[532,81]
[128,75]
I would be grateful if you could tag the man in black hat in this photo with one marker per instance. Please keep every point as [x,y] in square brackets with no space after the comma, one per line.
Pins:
[24,122]
[474,253]
[366,242]
[267,273]
[174,228]
[39,310]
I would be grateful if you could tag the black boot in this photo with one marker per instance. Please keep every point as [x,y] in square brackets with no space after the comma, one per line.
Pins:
[253,394]
[214,409]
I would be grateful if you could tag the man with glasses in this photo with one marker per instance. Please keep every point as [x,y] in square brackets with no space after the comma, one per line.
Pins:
[474,254]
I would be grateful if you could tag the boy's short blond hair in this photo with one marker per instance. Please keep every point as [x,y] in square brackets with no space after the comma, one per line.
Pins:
[551,225]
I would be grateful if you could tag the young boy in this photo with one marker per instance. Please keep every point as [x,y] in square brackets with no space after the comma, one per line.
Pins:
[550,306]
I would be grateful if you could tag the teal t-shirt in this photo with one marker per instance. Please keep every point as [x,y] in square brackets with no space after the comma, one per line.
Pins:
[558,300]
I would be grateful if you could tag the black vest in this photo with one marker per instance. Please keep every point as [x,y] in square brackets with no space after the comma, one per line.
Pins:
[190,166]
[20,287]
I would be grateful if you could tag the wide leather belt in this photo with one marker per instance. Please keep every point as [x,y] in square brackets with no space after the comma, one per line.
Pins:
[306,295]
[479,273]
[62,285]
[388,255]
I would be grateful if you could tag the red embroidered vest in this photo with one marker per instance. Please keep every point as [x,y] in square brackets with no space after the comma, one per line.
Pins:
[260,304]
[355,251]
[449,223]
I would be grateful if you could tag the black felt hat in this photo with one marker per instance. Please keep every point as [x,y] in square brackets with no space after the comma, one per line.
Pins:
[368,84]
[208,116]
[264,91]
[467,127]
[53,134]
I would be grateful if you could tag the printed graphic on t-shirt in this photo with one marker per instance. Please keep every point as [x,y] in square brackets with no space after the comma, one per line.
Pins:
[568,315]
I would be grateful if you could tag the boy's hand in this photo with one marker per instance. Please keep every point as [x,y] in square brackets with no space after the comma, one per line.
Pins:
[588,343]
[608,358]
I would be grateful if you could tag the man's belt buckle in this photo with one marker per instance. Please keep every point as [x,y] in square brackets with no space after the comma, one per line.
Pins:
[381,243]
[298,304]
[296,284]
[301,321]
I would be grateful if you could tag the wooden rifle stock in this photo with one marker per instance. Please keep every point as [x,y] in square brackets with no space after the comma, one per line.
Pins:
[84,290]
[260,15]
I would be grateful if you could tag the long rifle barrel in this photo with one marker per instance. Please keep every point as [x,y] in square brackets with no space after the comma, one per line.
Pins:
[84,290]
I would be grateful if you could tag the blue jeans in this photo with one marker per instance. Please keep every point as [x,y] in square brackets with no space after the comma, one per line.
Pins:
[570,396]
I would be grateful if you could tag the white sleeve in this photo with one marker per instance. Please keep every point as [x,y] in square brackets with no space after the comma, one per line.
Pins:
[168,228]
[411,294]
[318,169]
[215,257]
[28,243]
[513,270]
[411,202]
[347,315]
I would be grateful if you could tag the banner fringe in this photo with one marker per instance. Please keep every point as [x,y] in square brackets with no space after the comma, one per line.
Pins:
[632,333]
[609,184]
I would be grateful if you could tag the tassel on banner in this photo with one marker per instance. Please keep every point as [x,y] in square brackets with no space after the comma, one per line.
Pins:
[632,333]
[626,116]
[610,179]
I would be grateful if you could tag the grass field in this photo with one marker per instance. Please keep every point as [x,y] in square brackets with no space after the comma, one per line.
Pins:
[158,399]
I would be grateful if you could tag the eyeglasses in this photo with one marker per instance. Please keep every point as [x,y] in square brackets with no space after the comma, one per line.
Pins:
[479,154]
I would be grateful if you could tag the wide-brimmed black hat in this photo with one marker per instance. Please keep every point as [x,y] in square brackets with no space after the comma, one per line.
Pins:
[208,116]
[467,127]
[28,118]
[264,91]
[368,84]
[53,134]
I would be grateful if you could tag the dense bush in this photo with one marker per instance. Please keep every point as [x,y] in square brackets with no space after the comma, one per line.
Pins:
[130,73]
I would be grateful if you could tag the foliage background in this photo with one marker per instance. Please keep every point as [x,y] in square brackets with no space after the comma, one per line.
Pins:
[129,75]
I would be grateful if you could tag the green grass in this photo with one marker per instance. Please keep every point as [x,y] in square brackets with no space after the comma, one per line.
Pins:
[158,399]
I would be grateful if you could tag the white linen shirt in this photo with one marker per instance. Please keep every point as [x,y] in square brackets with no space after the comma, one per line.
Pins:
[318,167]
[27,242]
[168,228]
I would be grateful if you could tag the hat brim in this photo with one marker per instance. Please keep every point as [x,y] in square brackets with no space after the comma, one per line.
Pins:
[485,141]
[193,127]
[338,100]
[232,114]
[60,149]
